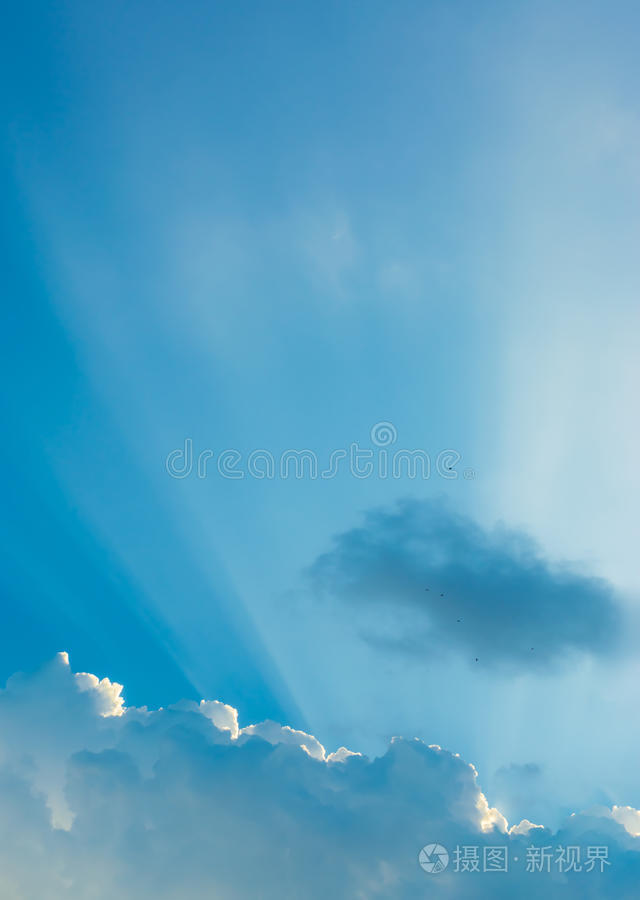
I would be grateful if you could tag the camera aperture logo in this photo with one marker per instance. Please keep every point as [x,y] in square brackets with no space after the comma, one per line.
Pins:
[381,459]
[433,858]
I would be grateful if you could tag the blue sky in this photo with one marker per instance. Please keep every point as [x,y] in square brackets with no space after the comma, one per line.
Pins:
[271,227]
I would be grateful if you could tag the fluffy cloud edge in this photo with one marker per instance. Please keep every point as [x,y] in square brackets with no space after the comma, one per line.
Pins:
[107,793]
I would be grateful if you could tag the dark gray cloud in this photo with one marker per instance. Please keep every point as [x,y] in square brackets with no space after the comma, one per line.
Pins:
[429,580]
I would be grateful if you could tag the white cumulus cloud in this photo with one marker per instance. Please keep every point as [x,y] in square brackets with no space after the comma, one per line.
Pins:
[99,800]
